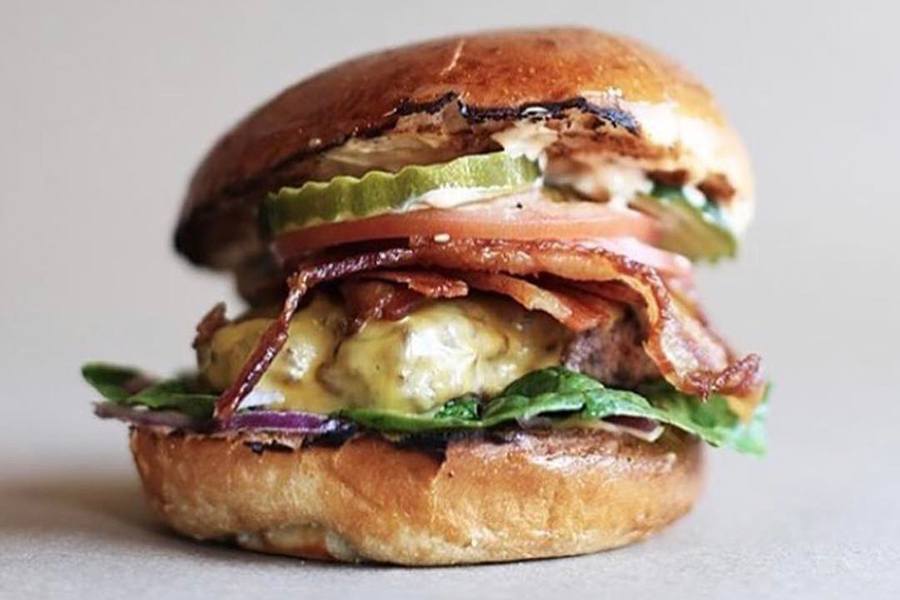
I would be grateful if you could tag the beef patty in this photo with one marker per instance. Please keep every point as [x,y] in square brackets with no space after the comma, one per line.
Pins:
[614,355]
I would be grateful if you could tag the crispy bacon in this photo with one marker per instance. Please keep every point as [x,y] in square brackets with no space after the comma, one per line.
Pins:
[369,296]
[211,322]
[367,299]
[275,335]
[394,294]
[574,309]
[688,355]
[427,283]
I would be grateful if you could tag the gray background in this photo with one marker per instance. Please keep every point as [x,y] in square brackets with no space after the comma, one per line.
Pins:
[106,107]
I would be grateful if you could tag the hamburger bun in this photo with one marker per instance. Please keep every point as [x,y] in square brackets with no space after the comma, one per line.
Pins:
[610,98]
[475,499]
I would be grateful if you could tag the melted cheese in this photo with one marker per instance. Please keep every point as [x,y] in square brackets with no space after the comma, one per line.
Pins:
[441,350]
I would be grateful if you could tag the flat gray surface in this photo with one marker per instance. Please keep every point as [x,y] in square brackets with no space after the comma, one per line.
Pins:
[107,107]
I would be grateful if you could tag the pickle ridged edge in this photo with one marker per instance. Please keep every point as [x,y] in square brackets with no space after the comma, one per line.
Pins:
[377,192]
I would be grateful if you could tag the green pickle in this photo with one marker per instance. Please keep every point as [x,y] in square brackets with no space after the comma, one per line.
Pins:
[692,227]
[692,230]
[378,192]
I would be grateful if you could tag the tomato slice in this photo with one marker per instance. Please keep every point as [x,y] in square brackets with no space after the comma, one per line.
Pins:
[525,216]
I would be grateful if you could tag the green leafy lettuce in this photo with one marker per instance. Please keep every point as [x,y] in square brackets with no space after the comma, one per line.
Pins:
[129,387]
[692,225]
[566,397]
[576,399]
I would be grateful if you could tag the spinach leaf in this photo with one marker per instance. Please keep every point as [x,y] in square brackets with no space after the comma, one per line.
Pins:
[111,381]
[712,420]
[557,392]
[566,397]
[465,407]
[694,227]
[129,387]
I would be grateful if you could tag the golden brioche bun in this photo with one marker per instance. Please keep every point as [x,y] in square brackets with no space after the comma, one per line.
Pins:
[613,97]
[476,499]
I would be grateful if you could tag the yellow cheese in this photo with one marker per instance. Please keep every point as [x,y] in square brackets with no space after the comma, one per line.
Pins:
[441,350]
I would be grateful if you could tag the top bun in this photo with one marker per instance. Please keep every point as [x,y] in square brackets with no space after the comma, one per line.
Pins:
[612,99]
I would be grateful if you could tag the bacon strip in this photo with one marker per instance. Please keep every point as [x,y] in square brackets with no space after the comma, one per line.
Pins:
[275,335]
[688,355]
[211,322]
[427,283]
[394,294]
[369,296]
[574,309]
[368,299]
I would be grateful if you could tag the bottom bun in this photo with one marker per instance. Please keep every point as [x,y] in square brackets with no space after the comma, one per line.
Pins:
[475,499]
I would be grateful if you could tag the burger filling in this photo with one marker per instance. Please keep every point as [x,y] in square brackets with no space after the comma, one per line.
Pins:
[439,351]
[500,290]
[512,187]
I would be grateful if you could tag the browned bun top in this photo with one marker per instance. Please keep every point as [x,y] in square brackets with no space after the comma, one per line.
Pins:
[632,101]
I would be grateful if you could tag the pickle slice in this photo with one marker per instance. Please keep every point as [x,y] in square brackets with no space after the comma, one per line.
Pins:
[695,229]
[378,192]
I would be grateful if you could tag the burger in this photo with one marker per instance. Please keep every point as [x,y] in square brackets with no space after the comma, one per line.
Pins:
[472,332]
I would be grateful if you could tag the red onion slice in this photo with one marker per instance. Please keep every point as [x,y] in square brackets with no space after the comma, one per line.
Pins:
[293,422]
[639,427]
[171,419]
[251,420]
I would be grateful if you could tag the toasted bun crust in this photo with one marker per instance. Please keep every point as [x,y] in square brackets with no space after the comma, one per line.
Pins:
[614,97]
[538,495]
